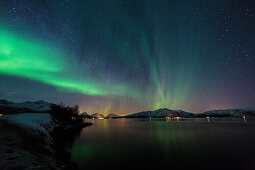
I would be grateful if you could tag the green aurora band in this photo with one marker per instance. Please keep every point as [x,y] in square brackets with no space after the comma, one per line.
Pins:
[128,56]
[163,64]
[36,61]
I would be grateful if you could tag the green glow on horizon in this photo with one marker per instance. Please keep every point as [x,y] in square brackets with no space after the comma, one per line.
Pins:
[36,61]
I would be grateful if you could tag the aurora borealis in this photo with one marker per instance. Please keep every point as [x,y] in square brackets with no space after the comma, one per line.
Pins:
[127,56]
[31,60]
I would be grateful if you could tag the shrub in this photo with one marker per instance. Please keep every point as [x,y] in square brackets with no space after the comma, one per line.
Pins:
[65,114]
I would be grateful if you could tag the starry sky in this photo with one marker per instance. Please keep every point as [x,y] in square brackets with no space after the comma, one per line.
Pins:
[126,56]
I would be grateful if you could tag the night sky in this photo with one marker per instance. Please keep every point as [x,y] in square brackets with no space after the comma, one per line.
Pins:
[125,56]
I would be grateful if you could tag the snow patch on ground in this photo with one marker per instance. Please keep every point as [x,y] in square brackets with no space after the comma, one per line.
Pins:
[35,122]
[25,141]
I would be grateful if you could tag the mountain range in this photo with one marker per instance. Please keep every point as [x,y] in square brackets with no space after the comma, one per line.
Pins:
[161,113]
[97,116]
[112,116]
[40,106]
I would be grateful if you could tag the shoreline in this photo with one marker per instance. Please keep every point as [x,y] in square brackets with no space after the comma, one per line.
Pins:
[62,138]
[24,147]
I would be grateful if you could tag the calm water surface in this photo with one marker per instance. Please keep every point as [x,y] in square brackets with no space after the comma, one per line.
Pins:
[160,144]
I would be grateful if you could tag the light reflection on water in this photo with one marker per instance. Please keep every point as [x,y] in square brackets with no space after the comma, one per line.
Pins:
[159,143]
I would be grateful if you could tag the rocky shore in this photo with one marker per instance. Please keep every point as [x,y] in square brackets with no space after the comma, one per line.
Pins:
[35,141]
[63,138]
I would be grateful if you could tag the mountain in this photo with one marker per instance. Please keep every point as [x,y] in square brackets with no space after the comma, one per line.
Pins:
[40,106]
[160,113]
[85,115]
[97,116]
[228,113]
[112,116]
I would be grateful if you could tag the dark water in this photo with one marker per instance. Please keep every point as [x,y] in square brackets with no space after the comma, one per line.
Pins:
[158,144]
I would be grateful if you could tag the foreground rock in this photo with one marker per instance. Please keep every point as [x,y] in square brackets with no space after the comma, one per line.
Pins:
[33,141]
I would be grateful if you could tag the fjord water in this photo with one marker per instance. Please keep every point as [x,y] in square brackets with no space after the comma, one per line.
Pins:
[160,144]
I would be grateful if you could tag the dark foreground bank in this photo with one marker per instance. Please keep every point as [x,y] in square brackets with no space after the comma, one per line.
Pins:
[37,142]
